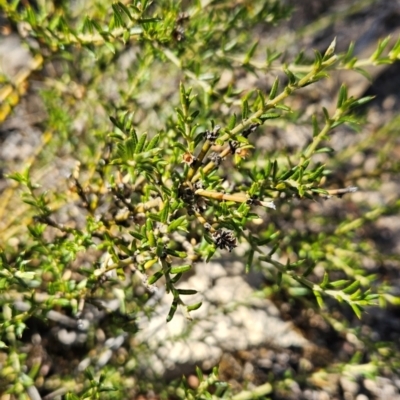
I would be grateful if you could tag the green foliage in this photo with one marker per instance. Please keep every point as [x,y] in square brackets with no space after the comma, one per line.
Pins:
[169,151]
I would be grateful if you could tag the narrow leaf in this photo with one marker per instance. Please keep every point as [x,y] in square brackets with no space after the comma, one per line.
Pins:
[352,288]
[180,269]
[178,223]
[154,278]
[356,310]
[186,291]
[249,261]
[274,89]
[342,96]
[250,53]
[245,110]
[269,115]
[319,298]
[194,307]
[315,125]
[279,276]
[164,212]
[172,310]
[176,278]
[292,78]
[141,142]
[125,9]
[232,122]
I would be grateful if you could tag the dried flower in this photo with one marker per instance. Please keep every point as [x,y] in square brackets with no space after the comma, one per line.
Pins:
[188,158]
[224,239]
[242,152]
[246,133]
[212,135]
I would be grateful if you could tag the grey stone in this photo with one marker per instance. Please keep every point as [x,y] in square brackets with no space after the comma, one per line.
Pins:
[232,318]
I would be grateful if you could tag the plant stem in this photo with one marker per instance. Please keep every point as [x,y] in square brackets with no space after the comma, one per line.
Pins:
[268,106]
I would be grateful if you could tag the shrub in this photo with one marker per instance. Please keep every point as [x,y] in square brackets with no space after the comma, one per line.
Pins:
[162,141]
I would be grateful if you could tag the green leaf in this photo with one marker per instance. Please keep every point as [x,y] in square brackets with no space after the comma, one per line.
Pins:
[320,191]
[292,78]
[175,253]
[319,298]
[153,142]
[140,143]
[172,310]
[274,170]
[317,174]
[337,123]
[299,58]
[107,389]
[184,96]
[287,174]
[261,99]
[317,60]
[33,203]
[274,89]
[326,114]
[87,26]
[324,150]
[231,123]
[361,101]
[179,223]
[148,20]
[325,280]
[137,235]
[356,310]
[72,396]
[180,269]
[211,250]
[330,50]
[381,47]
[126,36]
[28,275]
[154,278]
[150,233]
[89,374]
[279,276]
[249,261]
[110,46]
[164,212]
[176,278]
[245,110]
[269,115]
[267,169]
[352,288]
[283,107]
[31,16]
[194,307]
[185,292]
[180,146]
[125,10]
[273,250]
[98,28]
[250,53]
[199,374]
[349,54]
[357,295]
[342,96]
[116,21]
[116,123]
[315,126]
[154,217]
